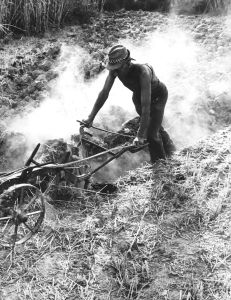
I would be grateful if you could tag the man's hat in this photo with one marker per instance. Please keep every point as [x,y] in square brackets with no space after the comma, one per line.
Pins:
[117,56]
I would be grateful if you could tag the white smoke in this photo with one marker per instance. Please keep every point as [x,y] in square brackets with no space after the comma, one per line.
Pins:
[191,76]
[70,98]
[176,61]
[67,99]
[181,63]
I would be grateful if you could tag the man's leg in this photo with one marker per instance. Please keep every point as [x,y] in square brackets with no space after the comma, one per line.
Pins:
[168,144]
[156,147]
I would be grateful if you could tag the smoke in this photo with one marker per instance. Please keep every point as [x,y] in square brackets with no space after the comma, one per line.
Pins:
[66,100]
[174,57]
[70,98]
[193,74]
[177,61]
[185,66]
[227,27]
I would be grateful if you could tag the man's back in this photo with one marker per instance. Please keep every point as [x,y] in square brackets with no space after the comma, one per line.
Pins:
[132,78]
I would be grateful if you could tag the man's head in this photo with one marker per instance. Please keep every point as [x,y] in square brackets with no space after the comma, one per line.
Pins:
[117,56]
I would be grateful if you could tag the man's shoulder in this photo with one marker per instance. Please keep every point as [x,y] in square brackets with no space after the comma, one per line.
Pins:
[144,69]
[143,66]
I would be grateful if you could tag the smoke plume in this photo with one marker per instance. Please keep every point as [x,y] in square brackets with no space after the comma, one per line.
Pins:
[184,65]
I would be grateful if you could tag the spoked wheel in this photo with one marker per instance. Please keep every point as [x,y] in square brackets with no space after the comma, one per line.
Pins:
[22,210]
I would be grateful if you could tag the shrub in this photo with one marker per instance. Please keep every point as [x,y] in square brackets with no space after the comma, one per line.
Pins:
[163,5]
[137,4]
[205,6]
[111,5]
[200,6]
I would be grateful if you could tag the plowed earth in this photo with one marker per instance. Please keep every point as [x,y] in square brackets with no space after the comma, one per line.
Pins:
[165,234]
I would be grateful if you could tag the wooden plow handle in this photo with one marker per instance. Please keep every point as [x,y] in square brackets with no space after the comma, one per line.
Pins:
[31,158]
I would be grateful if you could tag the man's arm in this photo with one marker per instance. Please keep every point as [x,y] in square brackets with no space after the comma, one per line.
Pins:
[102,97]
[145,81]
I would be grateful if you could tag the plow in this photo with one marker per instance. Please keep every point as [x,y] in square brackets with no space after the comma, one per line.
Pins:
[22,191]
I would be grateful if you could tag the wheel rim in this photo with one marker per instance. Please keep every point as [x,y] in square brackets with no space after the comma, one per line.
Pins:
[22,210]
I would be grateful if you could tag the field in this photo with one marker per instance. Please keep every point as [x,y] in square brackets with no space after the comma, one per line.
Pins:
[165,233]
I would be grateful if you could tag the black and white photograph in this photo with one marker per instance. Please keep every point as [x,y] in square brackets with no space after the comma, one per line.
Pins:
[115,149]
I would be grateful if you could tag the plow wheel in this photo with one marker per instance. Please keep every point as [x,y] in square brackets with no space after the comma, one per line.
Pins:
[22,210]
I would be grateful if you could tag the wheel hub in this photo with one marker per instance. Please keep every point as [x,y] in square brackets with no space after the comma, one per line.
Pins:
[20,217]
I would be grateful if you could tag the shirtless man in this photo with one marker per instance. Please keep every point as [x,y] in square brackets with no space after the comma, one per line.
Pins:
[149,97]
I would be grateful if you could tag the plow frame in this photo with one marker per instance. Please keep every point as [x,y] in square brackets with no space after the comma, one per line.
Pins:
[27,201]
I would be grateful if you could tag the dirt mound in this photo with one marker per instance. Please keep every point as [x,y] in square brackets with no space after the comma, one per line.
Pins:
[61,183]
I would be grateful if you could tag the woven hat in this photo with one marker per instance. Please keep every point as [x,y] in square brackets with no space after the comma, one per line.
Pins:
[117,56]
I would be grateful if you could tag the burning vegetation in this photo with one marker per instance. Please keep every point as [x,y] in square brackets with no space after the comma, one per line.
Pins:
[157,232]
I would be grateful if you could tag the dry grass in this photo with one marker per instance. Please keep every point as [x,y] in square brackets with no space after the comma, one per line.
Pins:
[31,16]
[37,16]
[165,235]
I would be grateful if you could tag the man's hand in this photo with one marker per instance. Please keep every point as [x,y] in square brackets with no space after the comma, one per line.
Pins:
[87,123]
[138,141]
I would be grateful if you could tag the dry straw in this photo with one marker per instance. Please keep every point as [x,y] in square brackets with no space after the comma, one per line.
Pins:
[34,16]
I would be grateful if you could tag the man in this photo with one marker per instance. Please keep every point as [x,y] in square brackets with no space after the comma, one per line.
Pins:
[149,97]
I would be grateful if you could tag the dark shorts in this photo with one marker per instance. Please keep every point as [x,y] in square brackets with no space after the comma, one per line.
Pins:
[159,98]
[158,101]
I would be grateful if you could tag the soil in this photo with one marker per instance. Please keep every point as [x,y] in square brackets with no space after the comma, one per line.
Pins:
[28,68]
[166,233]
